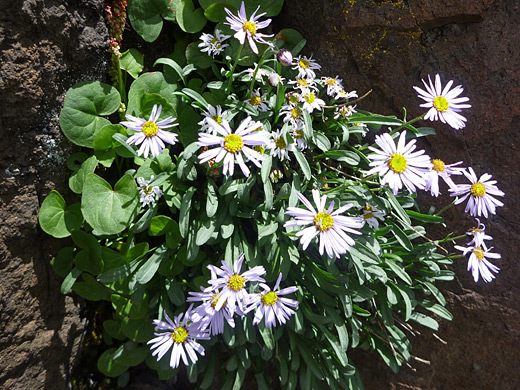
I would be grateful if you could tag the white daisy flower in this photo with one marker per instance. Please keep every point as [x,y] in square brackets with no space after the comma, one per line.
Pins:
[342,94]
[331,227]
[370,215]
[306,67]
[478,263]
[297,134]
[333,85]
[344,112]
[148,194]
[440,169]
[259,73]
[213,44]
[311,102]
[278,146]
[398,165]
[231,284]
[293,98]
[214,113]
[258,101]
[180,334]
[233,146]
[478,235]
[443,104]
[303,84]
[291,114]
[274,79]
[248,28]
[271,305]
[207,314]
[150,133]
[481,194]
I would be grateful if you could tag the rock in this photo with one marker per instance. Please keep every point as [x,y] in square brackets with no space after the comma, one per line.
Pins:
[45,48]
[389,46]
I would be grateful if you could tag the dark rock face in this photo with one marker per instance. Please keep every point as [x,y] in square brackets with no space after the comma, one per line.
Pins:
[46,46]
[389,46]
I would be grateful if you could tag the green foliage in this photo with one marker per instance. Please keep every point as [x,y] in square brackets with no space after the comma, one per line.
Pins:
[145,259]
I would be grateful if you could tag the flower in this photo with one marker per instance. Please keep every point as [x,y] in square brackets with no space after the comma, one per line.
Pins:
[480,194]
[311,102]
[149,194]
[284,57]
[251,72]
[331,227]
[333,85]
[306,67]
[291,113]
[304,84]
[370,215]
[247,28]
[180,334]
[342,94]
[151,133]
[271,305]
[279,147]
[275,79]
[397,164]
[297,134]
[214,113]
[443,104]
[276,175]
[257,101]
[440,169]
[478,263]
[232,283]
[233,146]
[213,44]
[479,235]
[344,112]
[207,314]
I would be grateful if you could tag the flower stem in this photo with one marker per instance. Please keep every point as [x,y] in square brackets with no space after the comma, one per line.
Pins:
[234,67]
[407,123]
[445,208]
[260,62]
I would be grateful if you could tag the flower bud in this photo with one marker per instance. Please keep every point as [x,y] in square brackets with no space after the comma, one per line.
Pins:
[274,79]
[284,57]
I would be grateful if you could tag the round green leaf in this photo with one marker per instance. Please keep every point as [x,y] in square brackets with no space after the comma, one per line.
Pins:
[145,17]
[196,57]
[85,103]
[56,219]
[150,83]
[108,366]
[132,61]
[77,179]
[107,210]
[217,12]
[190,20]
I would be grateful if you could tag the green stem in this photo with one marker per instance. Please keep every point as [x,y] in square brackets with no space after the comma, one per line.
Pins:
[407,123]
[121,84]
[448,239]
[234,67]
[260,62]
[445,208]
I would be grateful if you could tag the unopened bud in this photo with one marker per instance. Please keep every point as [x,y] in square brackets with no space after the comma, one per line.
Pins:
[284,57]
[276,175]
[274,79]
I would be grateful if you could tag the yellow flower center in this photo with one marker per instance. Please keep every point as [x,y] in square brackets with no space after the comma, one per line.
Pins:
[280,143]
[441,104]
[438,165]
[479,253]
[269,299]
[249,27]
[367,212]
[236,282]
[478,189]
[217,118]
[214,301]
[233,143]
[302,82]
[323,221]
[296,113]
[259,148]
[298,134]
[255,100]
[216,43]
[475,231]
[147,189]
[309,98]
[304,64]
[330,82]
[179,335]
[397,163]
[294,98]
[150,129]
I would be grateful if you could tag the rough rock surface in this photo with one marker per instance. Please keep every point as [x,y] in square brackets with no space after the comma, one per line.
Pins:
[46,46]
[389,46]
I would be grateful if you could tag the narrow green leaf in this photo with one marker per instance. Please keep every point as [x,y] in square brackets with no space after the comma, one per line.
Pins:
[184,214]
[304,165]
[172,64]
